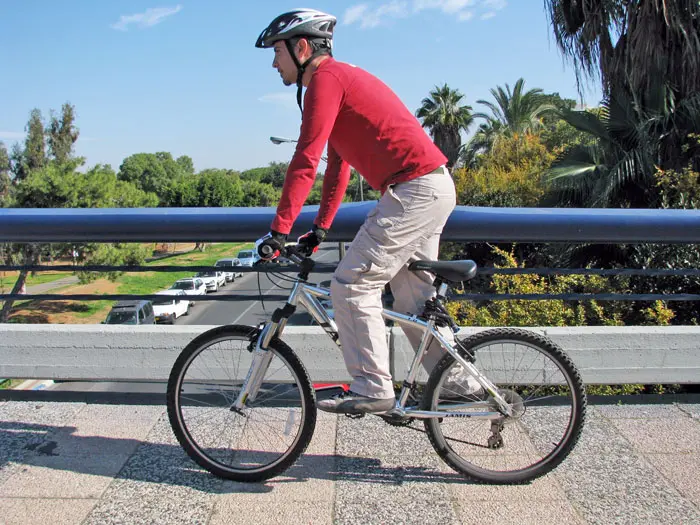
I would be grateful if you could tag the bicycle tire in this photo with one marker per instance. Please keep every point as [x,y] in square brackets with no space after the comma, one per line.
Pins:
[198,452]
[466,465]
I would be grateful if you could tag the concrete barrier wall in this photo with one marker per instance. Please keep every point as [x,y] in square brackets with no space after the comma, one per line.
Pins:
[605,355]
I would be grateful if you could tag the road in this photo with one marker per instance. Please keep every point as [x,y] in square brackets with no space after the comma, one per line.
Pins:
[248,312]
[251,311]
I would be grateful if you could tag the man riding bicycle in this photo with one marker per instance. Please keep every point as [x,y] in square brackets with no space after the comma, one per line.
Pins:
[366,126]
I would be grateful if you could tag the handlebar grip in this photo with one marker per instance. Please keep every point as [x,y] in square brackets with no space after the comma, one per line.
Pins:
[266,250]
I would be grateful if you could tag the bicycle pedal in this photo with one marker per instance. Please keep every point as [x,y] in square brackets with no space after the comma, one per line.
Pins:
[355,416]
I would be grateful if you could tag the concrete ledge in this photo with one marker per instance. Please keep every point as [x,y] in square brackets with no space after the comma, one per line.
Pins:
[609,354]
[604,355]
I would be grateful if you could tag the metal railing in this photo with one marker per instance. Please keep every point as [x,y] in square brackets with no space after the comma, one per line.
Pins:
[466,224]
[604,354]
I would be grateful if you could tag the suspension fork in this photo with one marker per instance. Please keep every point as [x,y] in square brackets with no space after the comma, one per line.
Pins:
[262,356]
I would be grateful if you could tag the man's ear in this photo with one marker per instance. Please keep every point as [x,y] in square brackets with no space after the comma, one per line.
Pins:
[302,48]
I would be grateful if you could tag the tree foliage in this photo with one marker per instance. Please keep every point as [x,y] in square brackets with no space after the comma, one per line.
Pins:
[445,118]
[62,134]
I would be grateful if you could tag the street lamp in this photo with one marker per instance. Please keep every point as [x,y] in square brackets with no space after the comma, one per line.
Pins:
[280,140]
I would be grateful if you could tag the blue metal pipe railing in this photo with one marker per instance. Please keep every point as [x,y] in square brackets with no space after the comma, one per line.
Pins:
[594,225]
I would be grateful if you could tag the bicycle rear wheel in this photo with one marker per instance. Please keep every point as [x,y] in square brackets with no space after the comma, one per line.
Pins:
[268,434]
[544,390]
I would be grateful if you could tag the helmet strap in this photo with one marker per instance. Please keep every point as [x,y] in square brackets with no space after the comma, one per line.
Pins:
[301,68]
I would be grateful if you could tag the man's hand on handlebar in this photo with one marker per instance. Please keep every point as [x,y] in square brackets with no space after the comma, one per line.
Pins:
[271,245]
[308,243]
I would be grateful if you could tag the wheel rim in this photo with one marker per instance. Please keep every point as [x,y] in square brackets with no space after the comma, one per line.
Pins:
[268,428]
[546,402]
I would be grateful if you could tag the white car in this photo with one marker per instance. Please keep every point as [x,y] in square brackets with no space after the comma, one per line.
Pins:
[248,257]
[228,262]
[173,304]
[191,286]
[212,279]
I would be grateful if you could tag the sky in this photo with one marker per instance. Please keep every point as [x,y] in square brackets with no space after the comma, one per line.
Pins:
[185,77]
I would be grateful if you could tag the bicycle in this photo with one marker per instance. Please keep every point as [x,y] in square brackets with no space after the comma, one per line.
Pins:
[242,406]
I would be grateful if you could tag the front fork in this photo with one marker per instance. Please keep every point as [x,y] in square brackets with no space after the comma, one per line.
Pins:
[262,355]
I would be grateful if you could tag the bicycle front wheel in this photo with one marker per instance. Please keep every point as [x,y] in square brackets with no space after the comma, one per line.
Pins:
[540,384]
[268,434]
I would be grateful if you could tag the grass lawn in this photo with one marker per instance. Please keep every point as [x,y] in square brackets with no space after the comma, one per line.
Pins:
[150,282]
[135,283]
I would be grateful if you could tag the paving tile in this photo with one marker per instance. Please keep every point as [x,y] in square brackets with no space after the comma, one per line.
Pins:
[681,470]
[373,437]
[381,511]
[29,511]
[622,488]
[635,510]
[517,512]
[680,435]
[63,476]
[692,409]
[546,488]
[40,413]
[638,411]
[311,478]
[233,512]
[145,503]
[601,437]
[158,484]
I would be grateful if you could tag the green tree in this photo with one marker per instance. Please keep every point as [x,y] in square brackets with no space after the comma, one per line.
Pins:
[5,181]
[218,188]
[259,194]
[186,164]
[445,119]
[617,168]
[62,134]
[33,155]
[648,50]
[148,172]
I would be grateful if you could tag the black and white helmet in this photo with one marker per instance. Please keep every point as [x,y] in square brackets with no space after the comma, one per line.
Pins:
[297,23]
[314,25]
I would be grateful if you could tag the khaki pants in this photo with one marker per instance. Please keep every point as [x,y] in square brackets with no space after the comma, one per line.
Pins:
[405,226]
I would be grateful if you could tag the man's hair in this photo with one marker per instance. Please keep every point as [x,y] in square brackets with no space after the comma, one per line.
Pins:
[318,45]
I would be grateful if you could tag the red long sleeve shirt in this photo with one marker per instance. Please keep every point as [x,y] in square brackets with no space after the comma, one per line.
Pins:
[366,126]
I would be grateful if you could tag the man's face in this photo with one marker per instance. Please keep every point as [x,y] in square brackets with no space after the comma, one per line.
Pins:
[284,64]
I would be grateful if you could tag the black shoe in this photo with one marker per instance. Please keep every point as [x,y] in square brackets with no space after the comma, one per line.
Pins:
[352,403]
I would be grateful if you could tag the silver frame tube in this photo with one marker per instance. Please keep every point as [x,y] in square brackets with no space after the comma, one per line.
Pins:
[307,295]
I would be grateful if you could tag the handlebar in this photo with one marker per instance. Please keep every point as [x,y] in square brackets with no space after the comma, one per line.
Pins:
[290,252]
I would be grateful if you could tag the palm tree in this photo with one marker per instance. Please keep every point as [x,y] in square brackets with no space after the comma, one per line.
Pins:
[618,168]
[480,143]
[513,112]
[632,46]
[445,119]
[516,111]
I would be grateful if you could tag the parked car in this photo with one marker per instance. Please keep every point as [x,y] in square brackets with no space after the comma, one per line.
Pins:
[212,279]
[191,286]
[228,262]
[248,257]
[131,312]
[173,305]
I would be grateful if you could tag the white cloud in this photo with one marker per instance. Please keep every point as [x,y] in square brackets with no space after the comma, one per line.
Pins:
[372,15]
[369,17]
[149,18]
[495,5]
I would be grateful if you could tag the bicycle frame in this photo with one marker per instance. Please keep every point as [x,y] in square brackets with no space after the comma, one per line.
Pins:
[307,295]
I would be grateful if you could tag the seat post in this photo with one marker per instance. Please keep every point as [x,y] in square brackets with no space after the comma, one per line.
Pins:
[441,287]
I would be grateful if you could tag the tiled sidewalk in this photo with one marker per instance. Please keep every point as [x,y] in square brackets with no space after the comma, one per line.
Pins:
[86,463]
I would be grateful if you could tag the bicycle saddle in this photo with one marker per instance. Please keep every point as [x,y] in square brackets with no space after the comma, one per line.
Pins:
[453,271]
